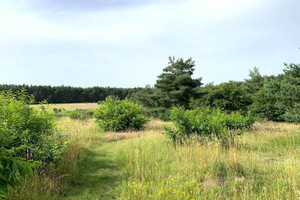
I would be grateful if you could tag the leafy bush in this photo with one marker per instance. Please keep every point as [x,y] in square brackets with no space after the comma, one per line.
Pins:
[11,170]
[57,110]
[206,122]
[26,136]
[120,115]
[81,114]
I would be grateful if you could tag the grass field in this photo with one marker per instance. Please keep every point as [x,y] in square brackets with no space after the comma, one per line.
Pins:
[69,106]
[261,164]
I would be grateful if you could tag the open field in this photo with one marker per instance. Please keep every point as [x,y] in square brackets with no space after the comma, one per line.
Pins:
[261,164]
[69,106]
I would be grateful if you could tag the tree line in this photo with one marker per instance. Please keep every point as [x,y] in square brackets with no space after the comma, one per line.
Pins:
[67,94]
[275,97]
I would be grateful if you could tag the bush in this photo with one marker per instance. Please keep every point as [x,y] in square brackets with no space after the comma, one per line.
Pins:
[81,114]
[57,110]
[120,115]
[26,136]
[206,122]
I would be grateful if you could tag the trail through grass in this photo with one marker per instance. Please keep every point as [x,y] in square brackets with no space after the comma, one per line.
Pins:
[97,175]
[261,164]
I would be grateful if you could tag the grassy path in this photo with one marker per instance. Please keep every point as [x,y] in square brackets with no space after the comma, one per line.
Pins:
[97,176]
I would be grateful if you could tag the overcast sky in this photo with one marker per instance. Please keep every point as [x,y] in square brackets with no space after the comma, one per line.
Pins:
[126,43]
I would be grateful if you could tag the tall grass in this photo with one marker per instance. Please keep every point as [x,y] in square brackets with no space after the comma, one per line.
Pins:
[259,165]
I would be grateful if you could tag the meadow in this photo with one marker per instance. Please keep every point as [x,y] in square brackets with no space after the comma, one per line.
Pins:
[262,163]
[68,106]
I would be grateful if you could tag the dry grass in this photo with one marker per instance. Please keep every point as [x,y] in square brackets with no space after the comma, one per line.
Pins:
[78,131]
[153,127]
[110,137]
[156,125]
[259,165]
[263,163]
[270,126]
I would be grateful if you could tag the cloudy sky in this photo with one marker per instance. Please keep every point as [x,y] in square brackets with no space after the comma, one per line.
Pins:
[126,43]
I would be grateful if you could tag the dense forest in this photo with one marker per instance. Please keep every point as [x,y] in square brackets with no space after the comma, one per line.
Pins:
[67,94]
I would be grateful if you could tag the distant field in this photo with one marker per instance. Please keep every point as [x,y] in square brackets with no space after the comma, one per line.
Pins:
[69,106]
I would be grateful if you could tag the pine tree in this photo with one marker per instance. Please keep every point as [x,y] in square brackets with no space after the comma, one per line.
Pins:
[175,86]
[279,98]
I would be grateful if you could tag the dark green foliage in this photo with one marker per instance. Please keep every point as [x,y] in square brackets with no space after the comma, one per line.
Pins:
[149,99]
[12,169]
[289,94]
[81,114]
[293,115]
[56,110]
[120,115]
[228,96]
[174,87]
[206,122]
[264,101]
[254,84]
[67,94]
[279,98]
[146,97]
[26,135]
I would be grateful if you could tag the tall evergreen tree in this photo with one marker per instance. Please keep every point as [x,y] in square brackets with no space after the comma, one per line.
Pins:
[254,83]
[175,86]
[279,98]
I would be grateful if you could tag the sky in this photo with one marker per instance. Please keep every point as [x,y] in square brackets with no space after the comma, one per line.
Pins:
[126,43]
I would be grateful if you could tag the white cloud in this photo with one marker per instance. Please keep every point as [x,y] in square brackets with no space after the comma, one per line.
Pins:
[136,40]
[117,25]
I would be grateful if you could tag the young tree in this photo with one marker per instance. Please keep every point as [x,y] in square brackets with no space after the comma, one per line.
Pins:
[175,86]
[254,83]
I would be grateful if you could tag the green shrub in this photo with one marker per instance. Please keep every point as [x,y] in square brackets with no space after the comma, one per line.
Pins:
[56,110]
[26,136]
[206,122]
[81,114]
[120,115]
